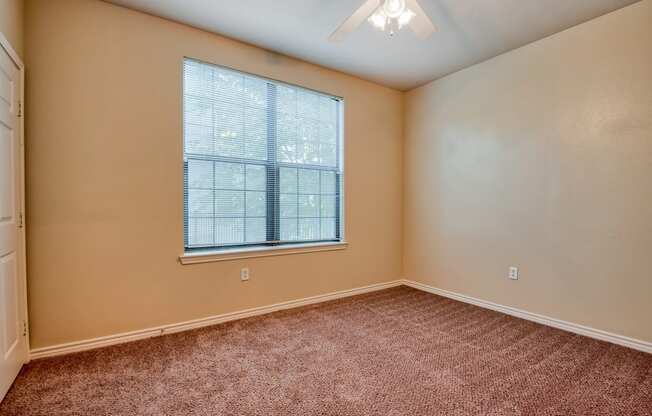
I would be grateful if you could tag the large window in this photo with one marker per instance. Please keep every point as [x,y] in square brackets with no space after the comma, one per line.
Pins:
[262,161]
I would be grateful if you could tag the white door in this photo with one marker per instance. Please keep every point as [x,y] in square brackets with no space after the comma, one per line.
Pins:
[13,342]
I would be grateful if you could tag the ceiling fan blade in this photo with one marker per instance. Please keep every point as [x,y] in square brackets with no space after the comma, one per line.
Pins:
[355,20]
[421,24]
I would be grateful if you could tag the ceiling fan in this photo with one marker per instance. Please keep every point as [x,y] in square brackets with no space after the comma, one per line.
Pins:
[391,15]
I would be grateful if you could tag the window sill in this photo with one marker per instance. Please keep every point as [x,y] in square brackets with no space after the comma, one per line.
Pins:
[253,252]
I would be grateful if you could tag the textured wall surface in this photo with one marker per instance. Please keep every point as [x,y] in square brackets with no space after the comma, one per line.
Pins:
[540,158]
[11,23]
[105,185]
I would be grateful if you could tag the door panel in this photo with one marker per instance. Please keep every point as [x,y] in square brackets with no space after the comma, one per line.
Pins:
[9,299]
[6,88]
[7,172]
[13,343]
[8,156]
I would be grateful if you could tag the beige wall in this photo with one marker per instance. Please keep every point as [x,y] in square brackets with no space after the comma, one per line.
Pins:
[104,151]
[11,23]
[540,158]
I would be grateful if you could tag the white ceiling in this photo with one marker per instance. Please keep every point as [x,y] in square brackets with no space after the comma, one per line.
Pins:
[469,31]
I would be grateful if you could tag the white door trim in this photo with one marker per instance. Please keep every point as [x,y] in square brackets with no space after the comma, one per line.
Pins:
[22,260]
[4,42]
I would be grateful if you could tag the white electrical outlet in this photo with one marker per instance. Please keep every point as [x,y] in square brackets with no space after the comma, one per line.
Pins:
[513,273]
[244,274]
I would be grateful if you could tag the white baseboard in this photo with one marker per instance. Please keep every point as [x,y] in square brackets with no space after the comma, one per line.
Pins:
[541,319]
[105,341]
[89,344]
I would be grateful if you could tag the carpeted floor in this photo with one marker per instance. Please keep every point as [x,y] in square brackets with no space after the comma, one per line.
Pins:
[395,352]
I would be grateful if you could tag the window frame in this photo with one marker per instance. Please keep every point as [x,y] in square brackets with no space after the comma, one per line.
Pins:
[273,243]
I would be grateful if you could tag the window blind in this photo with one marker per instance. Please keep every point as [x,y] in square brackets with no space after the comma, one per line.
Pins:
[262,161]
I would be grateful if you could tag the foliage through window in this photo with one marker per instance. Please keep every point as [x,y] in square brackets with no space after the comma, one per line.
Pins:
[262,161]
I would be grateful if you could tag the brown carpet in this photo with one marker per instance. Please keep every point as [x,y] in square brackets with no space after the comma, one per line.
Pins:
[395,352]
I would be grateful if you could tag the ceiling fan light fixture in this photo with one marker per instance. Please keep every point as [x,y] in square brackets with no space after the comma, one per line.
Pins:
[389,16]
[405,18]
[378,20]
[394,8]
[393,14]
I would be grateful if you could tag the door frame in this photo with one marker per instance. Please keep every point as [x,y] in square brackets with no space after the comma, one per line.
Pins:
[22,243]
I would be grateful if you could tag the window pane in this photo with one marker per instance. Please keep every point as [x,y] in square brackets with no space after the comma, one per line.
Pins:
[229,230]
[231,121]
[327,109]
[308,105]
[198,111]
[328,154]
[328,206]
[327,133]
[286,132]
[328,228]
[198,79]
[308,205]
[289,184]
[328,183]
[309,229]
[308,130]
[229,85]
[307,152]
[200,174]
[198,139]
[256,178]
[255,92]
[289,206]
[256,230]
[255,134]
[229,129]
[200,202]
[287,150]
[229,175]
[308,181]
[287,99]
[289,229]
[229,204]
[200,231]
[256,204]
